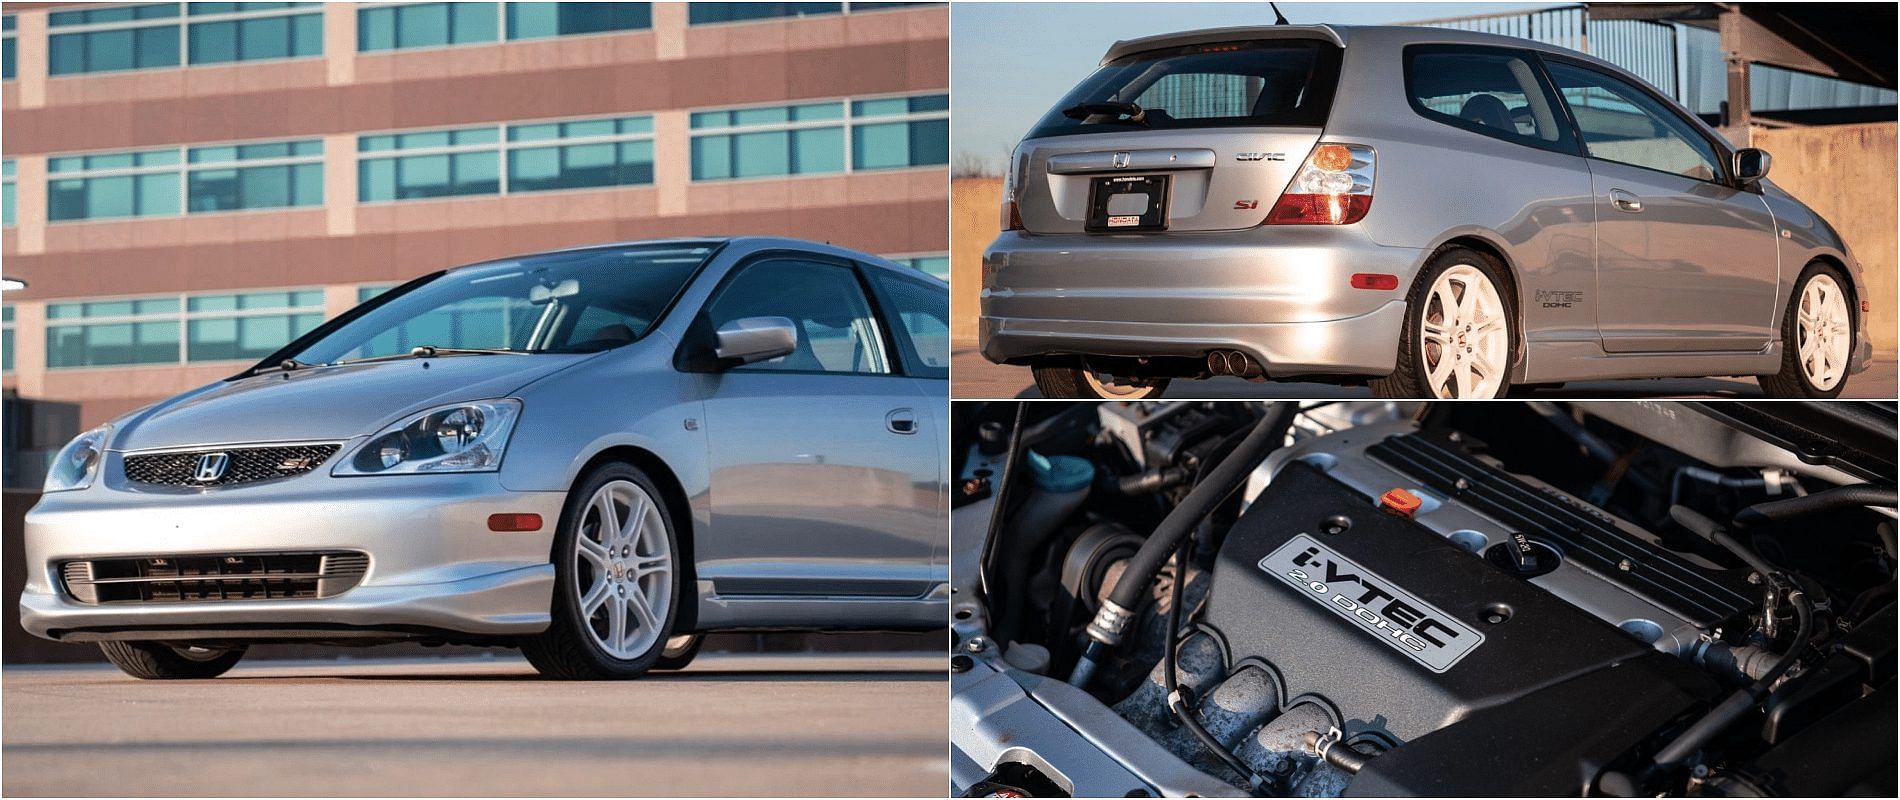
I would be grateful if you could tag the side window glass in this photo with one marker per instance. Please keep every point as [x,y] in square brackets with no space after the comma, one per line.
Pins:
[836,331]
[1497,94]
[923,310]
[1622,123]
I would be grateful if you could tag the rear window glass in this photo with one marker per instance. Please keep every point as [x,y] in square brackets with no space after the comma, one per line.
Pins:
[1274,82]
[1493,92]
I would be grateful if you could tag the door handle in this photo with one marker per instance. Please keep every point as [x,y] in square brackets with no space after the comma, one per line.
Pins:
[902,421]
[1624,201]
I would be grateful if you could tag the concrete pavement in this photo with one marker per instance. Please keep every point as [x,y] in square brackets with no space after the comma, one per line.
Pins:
[973,377]
[767,725]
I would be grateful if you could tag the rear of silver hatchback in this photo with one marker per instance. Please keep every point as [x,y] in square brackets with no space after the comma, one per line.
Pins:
[1200,229]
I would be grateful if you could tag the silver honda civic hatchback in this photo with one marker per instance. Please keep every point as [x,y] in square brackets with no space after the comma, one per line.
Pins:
[595,455]
[1434,212]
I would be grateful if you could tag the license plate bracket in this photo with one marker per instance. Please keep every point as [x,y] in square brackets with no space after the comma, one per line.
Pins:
[1124,203]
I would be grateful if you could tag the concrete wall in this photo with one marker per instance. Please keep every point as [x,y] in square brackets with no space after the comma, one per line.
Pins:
[1845,172]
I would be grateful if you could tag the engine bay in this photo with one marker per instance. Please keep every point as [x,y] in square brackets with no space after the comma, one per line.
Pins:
[1379,599]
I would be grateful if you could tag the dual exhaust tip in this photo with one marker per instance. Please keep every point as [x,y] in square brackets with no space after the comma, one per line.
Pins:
[1234,363]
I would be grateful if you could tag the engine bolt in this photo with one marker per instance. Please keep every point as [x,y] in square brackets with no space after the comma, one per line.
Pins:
[1461,484]
[977,645]
[1625,565]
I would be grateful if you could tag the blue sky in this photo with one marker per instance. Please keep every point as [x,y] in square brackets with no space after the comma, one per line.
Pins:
[1010,62]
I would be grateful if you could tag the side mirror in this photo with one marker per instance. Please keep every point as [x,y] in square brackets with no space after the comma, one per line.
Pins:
[1751,165]
[750,339]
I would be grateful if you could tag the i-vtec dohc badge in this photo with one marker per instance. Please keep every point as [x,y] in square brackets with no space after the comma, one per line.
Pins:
[1373,604]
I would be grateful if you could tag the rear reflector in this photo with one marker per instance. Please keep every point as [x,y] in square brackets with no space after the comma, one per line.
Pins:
[1374,280]
[1319,209]
[514,523]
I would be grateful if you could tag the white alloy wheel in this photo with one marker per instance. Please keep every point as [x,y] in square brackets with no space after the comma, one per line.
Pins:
[1117,386]
[1464,335]
[623,569]
[1823,332]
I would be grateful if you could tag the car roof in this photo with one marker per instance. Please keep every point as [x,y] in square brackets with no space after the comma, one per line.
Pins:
[744,244]
[1346,36]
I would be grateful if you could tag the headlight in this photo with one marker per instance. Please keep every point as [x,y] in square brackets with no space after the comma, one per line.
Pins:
[77,462]
[465,437]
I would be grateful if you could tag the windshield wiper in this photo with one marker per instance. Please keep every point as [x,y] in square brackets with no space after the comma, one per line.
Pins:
[1120,108]
[286,365]
[431,351]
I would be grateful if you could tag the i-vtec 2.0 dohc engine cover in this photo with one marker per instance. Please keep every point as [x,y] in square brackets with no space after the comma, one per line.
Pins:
[1433,651]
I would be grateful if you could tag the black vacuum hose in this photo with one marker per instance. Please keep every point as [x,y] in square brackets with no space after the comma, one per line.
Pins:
[1859,494]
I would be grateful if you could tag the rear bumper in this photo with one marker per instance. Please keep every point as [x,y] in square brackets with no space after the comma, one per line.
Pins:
[1281,295]
[434,567]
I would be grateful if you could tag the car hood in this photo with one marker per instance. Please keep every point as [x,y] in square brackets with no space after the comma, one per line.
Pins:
[328,403]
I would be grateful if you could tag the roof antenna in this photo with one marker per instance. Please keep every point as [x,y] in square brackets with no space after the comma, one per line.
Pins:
[1278,18]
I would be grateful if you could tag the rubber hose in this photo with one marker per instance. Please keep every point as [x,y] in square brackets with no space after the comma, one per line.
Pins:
[1859,494]
[1743,700]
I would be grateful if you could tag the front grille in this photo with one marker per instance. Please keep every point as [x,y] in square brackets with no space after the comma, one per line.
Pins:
[244,464]
[213,578]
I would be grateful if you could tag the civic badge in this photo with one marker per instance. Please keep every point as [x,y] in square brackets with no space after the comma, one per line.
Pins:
[211,466]
[1121,161]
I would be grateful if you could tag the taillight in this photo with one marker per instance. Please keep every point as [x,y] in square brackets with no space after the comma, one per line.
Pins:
[1012,217]
[1012,214]
[1333,187]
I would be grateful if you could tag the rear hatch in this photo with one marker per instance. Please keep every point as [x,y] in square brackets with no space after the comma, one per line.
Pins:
[1182,137]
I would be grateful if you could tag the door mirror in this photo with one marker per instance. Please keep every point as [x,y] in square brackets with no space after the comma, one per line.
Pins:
[750,339]
[1751,165]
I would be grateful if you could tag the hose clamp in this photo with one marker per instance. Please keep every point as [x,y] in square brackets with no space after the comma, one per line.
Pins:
[1109,623]
[1326,742]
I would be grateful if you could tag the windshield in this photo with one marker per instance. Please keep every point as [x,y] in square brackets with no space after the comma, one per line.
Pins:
[1259,82]
[574,302]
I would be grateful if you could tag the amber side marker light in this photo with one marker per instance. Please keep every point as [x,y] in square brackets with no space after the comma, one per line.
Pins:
[1374,280]
[514,523]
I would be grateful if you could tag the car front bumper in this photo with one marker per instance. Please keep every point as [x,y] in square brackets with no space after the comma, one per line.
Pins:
[1283,295]
[433,565]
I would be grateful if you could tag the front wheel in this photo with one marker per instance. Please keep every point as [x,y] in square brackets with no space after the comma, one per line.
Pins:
[1817,338]
[1075,379]
[1459,332]
[616,588]
[158,661]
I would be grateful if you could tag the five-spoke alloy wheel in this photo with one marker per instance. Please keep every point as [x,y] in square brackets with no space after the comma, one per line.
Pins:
[1459,332]
[1817,337]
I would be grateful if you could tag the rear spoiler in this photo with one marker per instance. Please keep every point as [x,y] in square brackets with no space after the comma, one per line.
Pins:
[1210,35]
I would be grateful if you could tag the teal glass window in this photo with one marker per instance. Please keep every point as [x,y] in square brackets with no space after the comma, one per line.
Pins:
[708,13]
[6,338]
[112,332]
[934,265]
[214,327]
[580,154]
[397,27]
[897,132]
[248,326]
[221,33]
[537,156]
[266,175]
[539,20]
[107,185]
[443,163]
[6,193]
[7,48]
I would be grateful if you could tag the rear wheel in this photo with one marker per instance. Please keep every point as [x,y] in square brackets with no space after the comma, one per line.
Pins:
[1073,378]
[155,661]
[679,651]
[1459,332]
[616,592]
[1817,338]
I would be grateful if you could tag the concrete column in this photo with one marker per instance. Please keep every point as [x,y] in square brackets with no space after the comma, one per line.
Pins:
[29,204]
[669,31]
[29,57]
[29,347]
[339,183]
[339,42]
[338,298]
[672,161]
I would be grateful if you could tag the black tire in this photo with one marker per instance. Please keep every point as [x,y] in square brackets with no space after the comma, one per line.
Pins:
[567,649]
[679,657]
[1070,379]
[1408,378]
[157,661]
[1792,381]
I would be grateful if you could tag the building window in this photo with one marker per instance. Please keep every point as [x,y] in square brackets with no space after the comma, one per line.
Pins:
[445,163]
[217,327]
[192,180]
[110,332]
[935,264]
[540,156]
[896,132]
[108,185]
[249,326]
[573,155]
[539,20]
[712,13]
[6,192]
[6,338]
[398,27]
[7,56]
[818,138]
[152,36]
[247,176]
